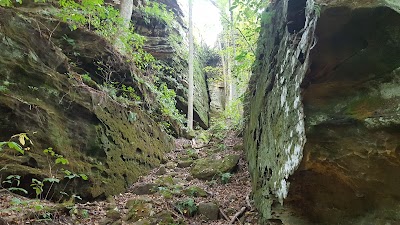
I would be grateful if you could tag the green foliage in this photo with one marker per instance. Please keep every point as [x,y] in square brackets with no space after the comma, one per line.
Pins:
[75,212]
[9,3]
[22,138]
[192,153]
[106,22]
[214,74]
[167,187]
[14,180]
[59,159]
[167,100]
[131,116]
[233,113]
[70,175]
[129,93]
[86,78]
[158,11]
[12,145]
[225,177]
[169,191]
[186,207]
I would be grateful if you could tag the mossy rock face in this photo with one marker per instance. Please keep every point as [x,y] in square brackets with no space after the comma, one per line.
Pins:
[194,191]
[343,96]
[42,94]
[209,168]
[167,44]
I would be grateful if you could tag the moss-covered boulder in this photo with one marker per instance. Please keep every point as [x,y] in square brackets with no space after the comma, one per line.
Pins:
[209,168]
[139,209]
[209,210]
[43,94]
[194,191]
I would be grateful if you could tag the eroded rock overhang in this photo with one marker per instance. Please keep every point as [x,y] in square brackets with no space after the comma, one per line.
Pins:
[351,116]
[351,97]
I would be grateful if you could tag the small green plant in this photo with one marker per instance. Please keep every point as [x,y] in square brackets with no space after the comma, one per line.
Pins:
[186,207]
[192,153]
[106,21]
[22,138]
[226,177]
[37,186]
[132,116]
[70,41]
[14,180]
[59,159]
[129,92]
[86,77]
[167,100]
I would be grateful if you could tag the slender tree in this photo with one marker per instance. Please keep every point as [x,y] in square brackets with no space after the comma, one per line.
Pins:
[232,84]
[125,10]
[191,53]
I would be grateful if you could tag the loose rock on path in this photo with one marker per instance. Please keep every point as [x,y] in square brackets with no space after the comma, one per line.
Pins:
[201,185]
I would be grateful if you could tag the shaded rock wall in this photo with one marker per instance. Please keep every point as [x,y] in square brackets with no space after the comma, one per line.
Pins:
[351,98]
[169,43]
[43,94]
[275,134]
[351,101]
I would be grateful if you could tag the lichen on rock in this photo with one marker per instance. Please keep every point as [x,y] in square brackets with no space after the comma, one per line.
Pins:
[43,94]
[337,87]
[275,133]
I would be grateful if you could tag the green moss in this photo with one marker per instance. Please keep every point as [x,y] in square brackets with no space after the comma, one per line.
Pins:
[364,107]
[83,124]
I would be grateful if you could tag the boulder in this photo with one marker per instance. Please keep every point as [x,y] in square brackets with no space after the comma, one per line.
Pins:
[185,163]
[113,214]
[194,191]
[209,168]
[144,188]
[139,210]
[209,210]
[161,171]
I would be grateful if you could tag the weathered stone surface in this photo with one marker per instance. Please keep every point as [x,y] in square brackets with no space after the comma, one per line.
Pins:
[351,97]
[209,210]
[185,163]
[275,134]
[162,170]
[113,214]
[144,189]
[351,101]
[209,168]
[168,43]
[195,191]
[42,93]
[138,210]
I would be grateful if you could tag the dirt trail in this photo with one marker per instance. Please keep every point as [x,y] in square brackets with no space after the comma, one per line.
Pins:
[155,198]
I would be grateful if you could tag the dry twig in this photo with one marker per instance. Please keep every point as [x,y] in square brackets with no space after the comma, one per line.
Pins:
[236,216]
[223,214]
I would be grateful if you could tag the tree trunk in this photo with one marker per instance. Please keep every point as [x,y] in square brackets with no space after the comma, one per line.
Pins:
[191,85]
[232,88]
[224,74]
[125,9]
